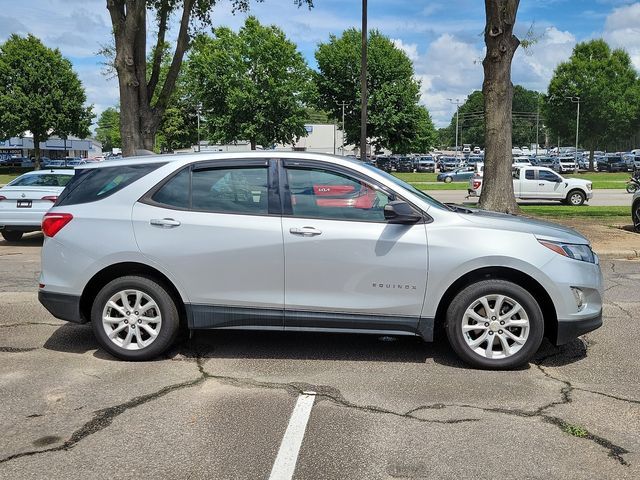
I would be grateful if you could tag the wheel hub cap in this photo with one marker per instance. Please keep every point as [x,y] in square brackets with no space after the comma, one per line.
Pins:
[495,326]
[131,319]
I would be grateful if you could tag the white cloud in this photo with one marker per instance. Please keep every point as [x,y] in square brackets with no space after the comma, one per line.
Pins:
[451,68]
[410,49]
[622,30]
[533,67]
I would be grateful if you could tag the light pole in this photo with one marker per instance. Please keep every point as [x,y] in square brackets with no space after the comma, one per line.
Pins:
[456,102]
[363,85]
[342,104]
[198,111]
[537,124]
[576,100]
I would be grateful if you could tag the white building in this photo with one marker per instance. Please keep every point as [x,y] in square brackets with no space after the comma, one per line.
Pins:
[54,147]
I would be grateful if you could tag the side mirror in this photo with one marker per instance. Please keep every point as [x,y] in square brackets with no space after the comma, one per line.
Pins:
[400,212]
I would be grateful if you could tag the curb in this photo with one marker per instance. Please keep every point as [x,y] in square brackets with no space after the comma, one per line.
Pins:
[618,254]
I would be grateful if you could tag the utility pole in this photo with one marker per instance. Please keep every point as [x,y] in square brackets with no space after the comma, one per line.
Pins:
[198,111]
[363,85]
[537,123]
[576,100]
[342,104]
[456,102]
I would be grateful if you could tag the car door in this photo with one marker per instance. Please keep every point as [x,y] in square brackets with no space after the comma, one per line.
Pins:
[550,185]
[345,265]
[216,227]
[528,184]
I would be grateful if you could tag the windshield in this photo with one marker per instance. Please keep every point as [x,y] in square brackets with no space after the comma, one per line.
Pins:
[419,193]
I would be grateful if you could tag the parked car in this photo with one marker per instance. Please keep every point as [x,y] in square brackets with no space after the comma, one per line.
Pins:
[462,174]
[25,200]
[635,211]
[425,163]
[540,183]
[252,226]
[446,164]
[565,165]
[404,164]
[544,161]
[473,159]
[521,161]
[386,163]
[613,163]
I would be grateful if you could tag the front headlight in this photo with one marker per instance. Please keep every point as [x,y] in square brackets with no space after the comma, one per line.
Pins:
[571,250]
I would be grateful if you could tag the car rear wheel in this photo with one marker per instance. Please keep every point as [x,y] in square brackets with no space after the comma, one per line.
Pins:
[135,318]
[12,235]
[636,216]
[576,198]
[448,179]
[494,324]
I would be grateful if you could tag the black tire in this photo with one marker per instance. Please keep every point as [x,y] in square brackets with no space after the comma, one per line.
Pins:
[635,216]
[575,198]
[167,308]
[12,235]
[467,297]
[631,188]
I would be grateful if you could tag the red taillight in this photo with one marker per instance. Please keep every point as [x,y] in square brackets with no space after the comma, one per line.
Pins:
[2,198]
[51,198]
[476,184]
[52,223]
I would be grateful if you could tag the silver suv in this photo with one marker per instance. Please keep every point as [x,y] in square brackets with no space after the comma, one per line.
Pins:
[302,242]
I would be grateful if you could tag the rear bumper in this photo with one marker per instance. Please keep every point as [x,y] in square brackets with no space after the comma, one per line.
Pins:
[62,306]
[570,329]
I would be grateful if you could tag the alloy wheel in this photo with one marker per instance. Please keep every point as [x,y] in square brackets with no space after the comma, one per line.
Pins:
[131,319]
[495,326]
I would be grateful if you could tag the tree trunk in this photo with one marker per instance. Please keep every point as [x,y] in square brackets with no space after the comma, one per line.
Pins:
[253,144]
[591,166]
[140,114]
[497,186]
[36,149]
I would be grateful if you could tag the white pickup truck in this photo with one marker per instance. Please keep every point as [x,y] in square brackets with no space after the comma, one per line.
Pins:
[541,183]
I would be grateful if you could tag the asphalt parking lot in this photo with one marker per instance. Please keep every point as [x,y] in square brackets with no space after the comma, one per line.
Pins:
[219,405]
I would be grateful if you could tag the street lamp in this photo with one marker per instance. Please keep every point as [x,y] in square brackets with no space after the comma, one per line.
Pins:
[456,102]
[199,111]
[342,104]
[363,86]
[576,100]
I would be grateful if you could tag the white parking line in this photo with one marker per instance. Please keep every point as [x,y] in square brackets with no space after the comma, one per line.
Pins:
[285,463]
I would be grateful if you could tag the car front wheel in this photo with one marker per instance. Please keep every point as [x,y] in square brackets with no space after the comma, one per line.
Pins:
[575,198]
[636,216]
[135,318]
[494,324]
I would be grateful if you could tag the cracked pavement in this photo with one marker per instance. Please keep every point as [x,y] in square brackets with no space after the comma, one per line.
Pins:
[217,406]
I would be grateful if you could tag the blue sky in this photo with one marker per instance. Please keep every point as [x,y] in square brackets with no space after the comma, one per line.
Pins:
[442,37]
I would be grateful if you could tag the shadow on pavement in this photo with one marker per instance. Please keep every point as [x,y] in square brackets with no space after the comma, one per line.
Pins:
[34,239]
[79,339]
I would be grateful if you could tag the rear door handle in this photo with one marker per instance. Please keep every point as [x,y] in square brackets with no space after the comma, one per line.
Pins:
[164,222]
[305,231]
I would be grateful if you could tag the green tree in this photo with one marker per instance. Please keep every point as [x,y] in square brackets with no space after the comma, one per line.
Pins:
[393,113]
[108,129]
[143,97]
[524,109]
[252,84]
[608,88]
[426,135]
[40,92]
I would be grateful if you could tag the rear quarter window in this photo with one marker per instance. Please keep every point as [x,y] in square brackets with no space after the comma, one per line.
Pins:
[93,184]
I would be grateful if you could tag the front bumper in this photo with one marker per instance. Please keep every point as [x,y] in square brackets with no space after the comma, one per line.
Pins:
[570,329]
[62,306]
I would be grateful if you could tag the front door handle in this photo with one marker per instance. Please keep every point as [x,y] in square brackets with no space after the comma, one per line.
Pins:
[305,231]
[164,222]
